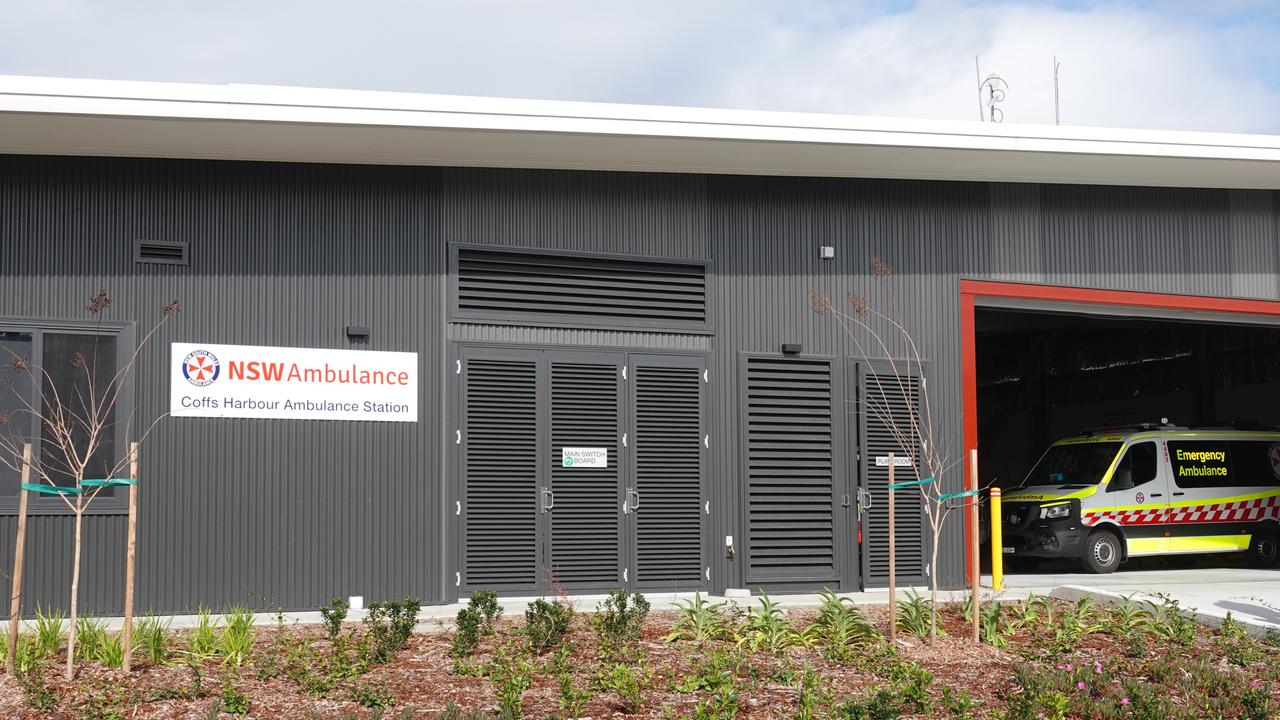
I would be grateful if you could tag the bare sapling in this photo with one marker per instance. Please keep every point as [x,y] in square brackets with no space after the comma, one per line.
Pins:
[883,335]
[78,428]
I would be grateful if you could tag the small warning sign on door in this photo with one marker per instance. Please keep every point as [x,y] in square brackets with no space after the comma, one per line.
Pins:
[584,457]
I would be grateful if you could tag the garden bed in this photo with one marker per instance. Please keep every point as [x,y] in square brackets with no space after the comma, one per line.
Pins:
[1042,658]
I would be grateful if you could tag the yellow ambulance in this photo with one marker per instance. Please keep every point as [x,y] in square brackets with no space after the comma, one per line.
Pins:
[1110,495]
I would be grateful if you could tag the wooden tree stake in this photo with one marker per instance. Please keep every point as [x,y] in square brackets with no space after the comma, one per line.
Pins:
[130,556]
[19,550]
[893,564]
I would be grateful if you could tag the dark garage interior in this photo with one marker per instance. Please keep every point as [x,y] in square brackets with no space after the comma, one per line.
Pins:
[1044,375]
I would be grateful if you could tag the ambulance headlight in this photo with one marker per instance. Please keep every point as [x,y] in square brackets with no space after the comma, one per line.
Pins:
[1053,512]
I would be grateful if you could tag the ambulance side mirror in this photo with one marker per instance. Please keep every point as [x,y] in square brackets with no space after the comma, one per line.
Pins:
[1122,479]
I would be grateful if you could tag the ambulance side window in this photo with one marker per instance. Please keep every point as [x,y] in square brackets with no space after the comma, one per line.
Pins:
[1140,461]
[1255,463]
[1200,463]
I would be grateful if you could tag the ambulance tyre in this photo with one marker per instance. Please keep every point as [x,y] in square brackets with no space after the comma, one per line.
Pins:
[1102,552]
[1264,548]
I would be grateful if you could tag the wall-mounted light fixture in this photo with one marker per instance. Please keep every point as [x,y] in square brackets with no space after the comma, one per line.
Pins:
[826,252]
[791,348]
[357,333]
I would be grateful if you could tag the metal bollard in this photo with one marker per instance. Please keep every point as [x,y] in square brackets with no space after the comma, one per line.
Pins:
[997,542]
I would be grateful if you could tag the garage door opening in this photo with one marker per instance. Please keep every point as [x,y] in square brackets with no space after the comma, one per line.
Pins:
[1043,362]
[1045,375]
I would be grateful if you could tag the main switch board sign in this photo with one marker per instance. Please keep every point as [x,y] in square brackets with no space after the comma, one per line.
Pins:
[583,457]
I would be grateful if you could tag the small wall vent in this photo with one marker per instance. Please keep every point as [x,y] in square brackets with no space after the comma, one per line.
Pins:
[163,252]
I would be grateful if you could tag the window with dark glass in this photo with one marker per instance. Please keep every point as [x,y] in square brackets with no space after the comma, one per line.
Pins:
[62,374]
[1139,462]
[1201,463]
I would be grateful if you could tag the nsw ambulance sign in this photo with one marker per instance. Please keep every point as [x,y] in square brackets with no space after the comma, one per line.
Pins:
[246,381]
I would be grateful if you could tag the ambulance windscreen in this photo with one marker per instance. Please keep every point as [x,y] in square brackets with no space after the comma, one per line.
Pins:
[1079,464]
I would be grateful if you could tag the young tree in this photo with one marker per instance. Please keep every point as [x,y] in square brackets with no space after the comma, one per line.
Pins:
[78,424]
[884,335]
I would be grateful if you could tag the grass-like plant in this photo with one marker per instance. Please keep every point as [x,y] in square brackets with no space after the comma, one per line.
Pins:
[110,650]
[916,615]
[236,640]
[50,629]
[767,628]
[203,641]
[840,627]
[699,620]
[151,639]
[91,633]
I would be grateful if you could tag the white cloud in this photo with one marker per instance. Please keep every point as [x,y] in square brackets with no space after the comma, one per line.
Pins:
[1120,67]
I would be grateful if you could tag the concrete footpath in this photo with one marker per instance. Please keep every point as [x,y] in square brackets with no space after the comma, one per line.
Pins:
[1251,596]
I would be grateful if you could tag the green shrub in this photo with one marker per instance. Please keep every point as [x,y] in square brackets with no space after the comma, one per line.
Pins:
[620,617]
[485,602]
[29,655]
[390,625]
[373,696]
[466,633]
[699,620]
[573,701]
[768,629]
[546,623]
[723,705]
[627,682]
[234,701]
[511,679]
[879,704]
[333,614]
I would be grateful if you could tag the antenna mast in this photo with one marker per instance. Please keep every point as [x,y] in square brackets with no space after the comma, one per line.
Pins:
[1056,105]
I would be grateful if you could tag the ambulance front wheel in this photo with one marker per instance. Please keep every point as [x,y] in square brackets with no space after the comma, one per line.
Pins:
[1264,548]
[1102,552]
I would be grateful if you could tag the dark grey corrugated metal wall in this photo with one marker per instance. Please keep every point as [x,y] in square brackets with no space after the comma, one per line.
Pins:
[297,512]
[259,512]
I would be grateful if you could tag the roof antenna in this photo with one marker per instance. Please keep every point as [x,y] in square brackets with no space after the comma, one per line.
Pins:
[1056,117]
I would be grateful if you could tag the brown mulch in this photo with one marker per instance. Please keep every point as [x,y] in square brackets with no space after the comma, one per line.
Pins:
[420,677]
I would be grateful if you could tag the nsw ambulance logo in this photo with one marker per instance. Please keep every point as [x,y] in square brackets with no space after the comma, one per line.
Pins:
[201,368]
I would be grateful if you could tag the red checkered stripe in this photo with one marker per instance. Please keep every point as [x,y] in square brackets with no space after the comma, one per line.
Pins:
[1238,511]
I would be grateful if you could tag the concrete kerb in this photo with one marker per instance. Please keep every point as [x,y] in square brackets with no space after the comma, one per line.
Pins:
[437,618]
[1214,620]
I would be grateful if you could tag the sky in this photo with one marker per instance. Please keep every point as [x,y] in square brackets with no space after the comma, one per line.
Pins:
[1174,64]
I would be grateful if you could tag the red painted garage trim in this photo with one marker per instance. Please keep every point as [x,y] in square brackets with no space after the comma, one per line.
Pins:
[970,290]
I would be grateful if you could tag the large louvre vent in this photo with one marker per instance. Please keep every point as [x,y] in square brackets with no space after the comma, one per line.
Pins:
[161,252]
[522,286]
[501,462]
[790,435]
[668,477]
[888,400]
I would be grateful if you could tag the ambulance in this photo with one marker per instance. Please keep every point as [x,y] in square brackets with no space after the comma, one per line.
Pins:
[1109,495]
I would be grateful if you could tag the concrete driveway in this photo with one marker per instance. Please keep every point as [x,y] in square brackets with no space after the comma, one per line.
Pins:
[1212,587]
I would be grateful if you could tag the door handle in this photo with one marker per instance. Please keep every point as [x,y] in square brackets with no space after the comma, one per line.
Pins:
[548,499]
[1179,494]
[1157,494]
[635,494]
